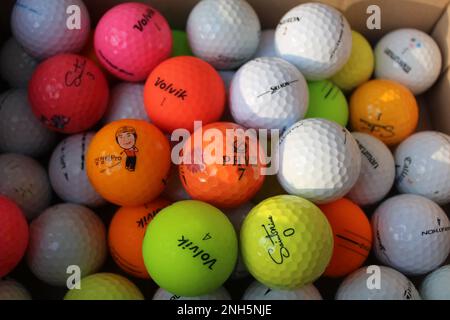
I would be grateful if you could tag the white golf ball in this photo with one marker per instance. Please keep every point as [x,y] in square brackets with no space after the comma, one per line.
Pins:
[319,160]
[66,235]
[412,234]
[316,38]
[46,28]
[268,93]
[258,291]
[423,166]
[20,130]
[26,182]
[377,283]
[436,285]
[410,57]
[12,290]
[126,102]
[16,66]
[223,33]
[220,294]
[67,171]
[377,171]
[266,47]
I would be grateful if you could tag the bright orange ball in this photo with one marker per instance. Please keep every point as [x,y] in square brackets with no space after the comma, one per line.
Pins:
[384,109]
[128,162]
[126,235]
[182,90]
[222,178]
[352,237]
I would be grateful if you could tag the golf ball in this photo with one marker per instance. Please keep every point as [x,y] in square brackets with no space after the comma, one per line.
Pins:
[131,39]
[62,236]
[190,248]
[266,47]
[377,171]
[412,234]
[13,236]
[268,93]
[319,160]
[436,285]
[286,242]
[385,284]
[384,109]
[220,294]
[258,291]
[25,182]
[423,166]
[12,290]
[67,171]
[410,57]
[316,38]
[223,33]
[20,131]
[47,28]
[181,46]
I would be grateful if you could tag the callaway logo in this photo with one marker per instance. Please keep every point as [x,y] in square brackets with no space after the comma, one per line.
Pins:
[405,169]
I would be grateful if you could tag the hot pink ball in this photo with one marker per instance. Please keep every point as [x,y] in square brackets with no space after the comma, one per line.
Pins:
[131,39]
[13,235]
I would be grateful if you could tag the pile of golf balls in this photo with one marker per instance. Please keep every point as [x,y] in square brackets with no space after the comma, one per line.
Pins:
[218,161]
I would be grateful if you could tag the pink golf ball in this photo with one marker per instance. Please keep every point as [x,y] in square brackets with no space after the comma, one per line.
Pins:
[131,39]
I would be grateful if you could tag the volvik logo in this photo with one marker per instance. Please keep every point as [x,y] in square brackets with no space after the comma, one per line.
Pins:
[144,21]
[171,89]
[198,253]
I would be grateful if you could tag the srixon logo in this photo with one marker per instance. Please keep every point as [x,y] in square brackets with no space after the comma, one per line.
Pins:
[169,88]
[144,21]
[197,252]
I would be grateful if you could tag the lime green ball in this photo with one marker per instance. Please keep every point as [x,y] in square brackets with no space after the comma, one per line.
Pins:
[286,242]
[180,45]
[105,286]
[359,67]
[327,101]
[190,248]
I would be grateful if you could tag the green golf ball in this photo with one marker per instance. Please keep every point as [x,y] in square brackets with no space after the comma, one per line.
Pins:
[190,248]
[327,101]
[105,286]
[286,242]
[180,45]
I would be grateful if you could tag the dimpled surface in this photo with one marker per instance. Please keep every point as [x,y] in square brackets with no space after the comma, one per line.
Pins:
[16,66]
[266,47]
[226,184]
[316,38]
[128,162]
[223,33]
[13,236]
[286,242]
[377,171]
[127,102]
[67,171]
[393,285]
[359,67]
[190,248]
[131,39]
[258,291]
[319,160]
[105,286]
[436,286]
[20,131]
[182,90]
[26,182]
[412,234]
[384,109]
[220,294]
[41,27]
[12,290]
[268,93]
[68,93]
[65,235]
[410,57]
[423,166]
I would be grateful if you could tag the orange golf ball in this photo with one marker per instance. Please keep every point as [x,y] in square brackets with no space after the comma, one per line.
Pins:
[182,90]
[352,237]
[228,172]
[384,109]
[126,234]
[128,161]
